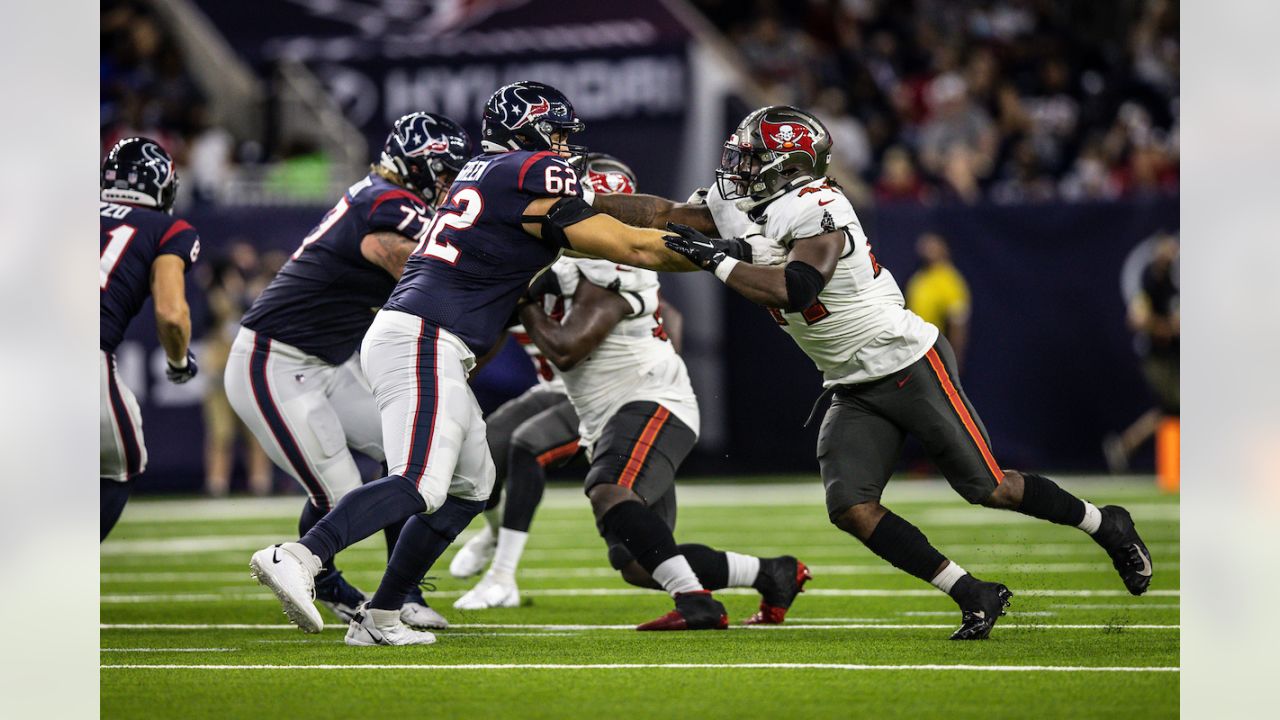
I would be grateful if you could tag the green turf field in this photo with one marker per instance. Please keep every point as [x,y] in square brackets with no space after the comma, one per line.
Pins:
[187,634]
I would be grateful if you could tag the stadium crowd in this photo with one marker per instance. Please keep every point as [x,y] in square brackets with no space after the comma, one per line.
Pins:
[964,100]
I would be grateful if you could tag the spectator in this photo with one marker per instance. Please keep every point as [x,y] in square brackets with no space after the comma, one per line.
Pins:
[898,179]
[938,293]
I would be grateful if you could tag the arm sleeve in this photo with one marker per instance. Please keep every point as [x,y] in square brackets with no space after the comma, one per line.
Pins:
[182,240]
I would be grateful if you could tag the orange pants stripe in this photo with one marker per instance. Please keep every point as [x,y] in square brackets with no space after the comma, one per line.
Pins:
[957,404]
[640,451]
[558,453]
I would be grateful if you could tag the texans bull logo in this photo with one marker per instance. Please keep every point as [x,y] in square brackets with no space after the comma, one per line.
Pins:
[788,137]
[534,111]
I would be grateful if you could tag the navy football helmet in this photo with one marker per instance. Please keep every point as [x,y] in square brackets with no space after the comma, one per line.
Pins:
[606,174]
[426,150]
[138,171]
[523,115]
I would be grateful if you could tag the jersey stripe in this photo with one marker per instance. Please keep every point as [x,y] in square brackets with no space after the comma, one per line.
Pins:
[178,226]
[528,163]
[276,423]
[393,195]
[962,411]
[640,451]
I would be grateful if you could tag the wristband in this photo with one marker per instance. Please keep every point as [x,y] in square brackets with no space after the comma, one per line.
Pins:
[175,365]
[725,267]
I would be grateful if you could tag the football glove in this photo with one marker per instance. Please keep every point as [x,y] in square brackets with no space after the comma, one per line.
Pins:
[707,253]
[765,251]
[179,375]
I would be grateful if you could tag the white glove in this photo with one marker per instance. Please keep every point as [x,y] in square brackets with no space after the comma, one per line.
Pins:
[699,197]
[765,251]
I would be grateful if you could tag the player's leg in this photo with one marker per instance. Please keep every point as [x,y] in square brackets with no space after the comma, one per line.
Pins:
[957,441]
[857,451]
[121,452]
[548,439]
[426,536]
[280,395]
[501,424]
[634,460]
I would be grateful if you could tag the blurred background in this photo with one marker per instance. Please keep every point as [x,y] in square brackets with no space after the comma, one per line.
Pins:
[1014,162]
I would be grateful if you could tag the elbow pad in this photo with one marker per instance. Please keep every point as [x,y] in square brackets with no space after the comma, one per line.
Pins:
[804,282]
[565,212]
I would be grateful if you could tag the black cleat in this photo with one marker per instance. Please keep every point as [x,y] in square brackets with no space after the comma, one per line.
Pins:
[981,606]
[780,580]
[694,611]
[1119,537]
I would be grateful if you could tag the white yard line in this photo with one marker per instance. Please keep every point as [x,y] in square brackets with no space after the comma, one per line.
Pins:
[770,628]
[665,666]
[158,649]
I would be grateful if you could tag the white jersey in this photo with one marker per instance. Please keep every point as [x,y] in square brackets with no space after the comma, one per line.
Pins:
[548,374]
[859,328]
[634,362]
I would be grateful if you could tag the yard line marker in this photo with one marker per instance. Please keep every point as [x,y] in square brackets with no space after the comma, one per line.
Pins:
[664,666]
[154,649]
[575,628]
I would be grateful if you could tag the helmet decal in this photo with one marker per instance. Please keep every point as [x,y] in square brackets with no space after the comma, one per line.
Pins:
[610,182]
[532,112]
[788,137]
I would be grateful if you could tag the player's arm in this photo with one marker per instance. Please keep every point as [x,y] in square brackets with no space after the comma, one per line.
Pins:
[672,323]
[573,224]
[651,211]
[792,287]
[387,250]
[173,317]
[594,314]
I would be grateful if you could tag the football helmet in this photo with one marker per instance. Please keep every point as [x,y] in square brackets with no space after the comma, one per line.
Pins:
[426,150]
[138,171]
[773,150]
[524,114]
[605,173]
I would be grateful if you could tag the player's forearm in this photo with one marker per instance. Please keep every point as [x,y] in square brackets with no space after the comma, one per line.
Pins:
[551,338]
[173,328]
[765,286]
[651,211]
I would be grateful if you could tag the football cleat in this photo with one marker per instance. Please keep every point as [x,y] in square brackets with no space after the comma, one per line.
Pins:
[982,606]
[416,613]
[491,592]
[289,570]
[694,611]
[1119,537]
[364,632]
[334,592]
[780,580]
[475,555]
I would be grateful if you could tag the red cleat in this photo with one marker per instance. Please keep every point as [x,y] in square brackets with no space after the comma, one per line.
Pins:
[694,611]
[779,588]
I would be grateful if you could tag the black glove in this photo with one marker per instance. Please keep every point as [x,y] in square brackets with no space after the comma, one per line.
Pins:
[707,253]
[179,375]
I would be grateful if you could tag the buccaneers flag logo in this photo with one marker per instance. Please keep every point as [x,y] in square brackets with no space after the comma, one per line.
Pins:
[609,182]
[788,137]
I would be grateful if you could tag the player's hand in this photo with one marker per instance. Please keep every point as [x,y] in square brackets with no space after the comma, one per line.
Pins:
[179,375]
[707,253]
[765,251]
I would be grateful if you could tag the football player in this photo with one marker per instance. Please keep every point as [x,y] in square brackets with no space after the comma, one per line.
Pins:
[293,375]
[144,251]
[889,372]
[509,214]
[602,325]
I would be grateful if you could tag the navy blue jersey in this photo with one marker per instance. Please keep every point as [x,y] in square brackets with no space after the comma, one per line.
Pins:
[323,299]
[475,261]
[132,238]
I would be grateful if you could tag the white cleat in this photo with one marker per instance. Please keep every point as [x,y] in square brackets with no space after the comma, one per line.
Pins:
[475,555]
[417,615]
[289,570]
[490,592]
[365,631]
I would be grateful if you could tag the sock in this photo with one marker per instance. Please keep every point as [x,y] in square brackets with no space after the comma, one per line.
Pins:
[675,576]
[711,566]
[383,618]
[743,569]
[113,496]
[507,555]
[361,513]
[642,532]
[946,579]
[311,515]
[1092,518]
[903,546]
[421,543]
[526,480]
[492,520]
[1042,498]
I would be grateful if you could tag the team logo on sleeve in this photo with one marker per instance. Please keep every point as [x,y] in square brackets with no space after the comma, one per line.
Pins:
[788,137]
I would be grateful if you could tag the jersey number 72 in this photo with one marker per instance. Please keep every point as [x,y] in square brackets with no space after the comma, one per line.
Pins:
[471,203]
